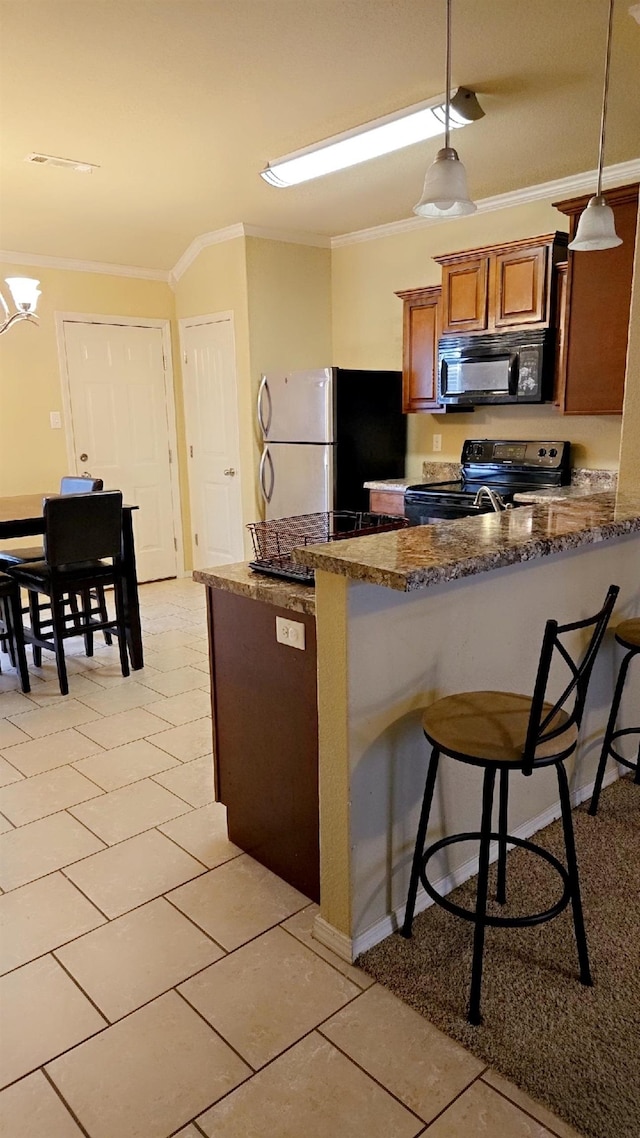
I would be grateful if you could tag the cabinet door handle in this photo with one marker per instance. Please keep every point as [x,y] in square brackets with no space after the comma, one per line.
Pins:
[229,472]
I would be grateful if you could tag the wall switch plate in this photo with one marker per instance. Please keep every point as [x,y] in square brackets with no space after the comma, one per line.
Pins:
[55,420]
[437,442]
[290,632]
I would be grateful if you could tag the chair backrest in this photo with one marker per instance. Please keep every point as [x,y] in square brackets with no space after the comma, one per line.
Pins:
[547,725]
[82,527]
[79,484]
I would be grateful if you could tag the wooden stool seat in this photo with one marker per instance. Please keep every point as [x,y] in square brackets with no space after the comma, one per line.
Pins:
[491,726]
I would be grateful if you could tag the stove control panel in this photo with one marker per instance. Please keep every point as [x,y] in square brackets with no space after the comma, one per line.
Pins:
[532,454]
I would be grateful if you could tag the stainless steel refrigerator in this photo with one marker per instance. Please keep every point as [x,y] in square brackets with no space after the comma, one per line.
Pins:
[325,432]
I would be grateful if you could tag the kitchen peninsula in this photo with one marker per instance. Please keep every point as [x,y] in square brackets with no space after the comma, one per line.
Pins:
[402,618]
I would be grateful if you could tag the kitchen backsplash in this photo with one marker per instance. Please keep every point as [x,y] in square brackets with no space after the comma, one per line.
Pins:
[596,479]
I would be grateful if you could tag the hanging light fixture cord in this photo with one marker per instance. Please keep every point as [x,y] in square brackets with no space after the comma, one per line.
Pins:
[448,77]
[605,95]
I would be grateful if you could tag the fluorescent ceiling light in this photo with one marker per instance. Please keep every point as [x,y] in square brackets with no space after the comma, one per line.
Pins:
[372,139]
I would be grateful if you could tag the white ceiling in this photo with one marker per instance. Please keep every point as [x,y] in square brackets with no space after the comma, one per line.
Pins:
[182,102]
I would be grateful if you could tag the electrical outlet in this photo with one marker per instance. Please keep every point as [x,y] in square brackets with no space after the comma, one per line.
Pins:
[437,442]
[290,632]
[55,420]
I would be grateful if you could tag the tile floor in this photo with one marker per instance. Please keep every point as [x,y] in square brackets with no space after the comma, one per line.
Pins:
[154,979]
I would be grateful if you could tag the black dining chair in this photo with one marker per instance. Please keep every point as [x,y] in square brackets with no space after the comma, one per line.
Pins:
[82,548]
[11,628]
[507,733]
[69,484]
[93,604]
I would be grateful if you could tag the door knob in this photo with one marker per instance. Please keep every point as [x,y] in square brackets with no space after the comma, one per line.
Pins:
[83,457]
[229,472]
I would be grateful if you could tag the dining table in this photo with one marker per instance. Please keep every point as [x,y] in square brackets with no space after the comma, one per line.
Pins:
[22,516]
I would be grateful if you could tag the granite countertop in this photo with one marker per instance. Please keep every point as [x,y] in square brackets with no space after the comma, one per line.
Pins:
[421,556]
[239,578]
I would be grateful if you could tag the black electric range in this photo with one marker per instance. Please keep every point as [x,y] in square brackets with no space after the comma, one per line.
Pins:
[492,472]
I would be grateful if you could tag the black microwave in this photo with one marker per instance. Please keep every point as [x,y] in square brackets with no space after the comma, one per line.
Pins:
[504,367]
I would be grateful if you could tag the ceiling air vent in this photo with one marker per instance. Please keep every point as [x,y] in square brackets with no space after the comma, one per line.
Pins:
[69,163]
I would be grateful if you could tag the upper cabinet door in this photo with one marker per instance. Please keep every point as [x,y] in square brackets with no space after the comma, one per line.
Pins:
[596,324]
[520,287]
[464,295]
[421,330]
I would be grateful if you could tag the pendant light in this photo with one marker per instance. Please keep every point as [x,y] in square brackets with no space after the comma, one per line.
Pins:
[445,192]
[596,227]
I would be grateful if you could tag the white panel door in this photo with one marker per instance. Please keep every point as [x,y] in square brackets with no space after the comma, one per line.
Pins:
[296,478]
[120,429]
[211,413]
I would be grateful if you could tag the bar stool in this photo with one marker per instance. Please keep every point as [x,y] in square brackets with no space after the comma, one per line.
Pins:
[11,628]
[507,732]
[628,635]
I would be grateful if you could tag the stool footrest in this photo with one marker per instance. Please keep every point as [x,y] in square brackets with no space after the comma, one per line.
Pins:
[496,921]
[631,764]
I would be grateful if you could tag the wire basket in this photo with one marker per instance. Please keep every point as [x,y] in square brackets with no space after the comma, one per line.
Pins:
[275,540]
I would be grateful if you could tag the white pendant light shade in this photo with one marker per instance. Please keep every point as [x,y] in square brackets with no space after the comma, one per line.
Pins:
[25,292]
[596,228]
[445,192]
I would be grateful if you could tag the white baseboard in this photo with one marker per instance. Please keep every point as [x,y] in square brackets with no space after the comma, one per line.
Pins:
[349,948]
[332,938]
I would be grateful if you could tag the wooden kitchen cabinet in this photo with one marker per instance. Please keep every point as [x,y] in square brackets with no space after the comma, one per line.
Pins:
[265,735]
[387,502]
[465,295]
[420,334]
[501,287]
[595,328]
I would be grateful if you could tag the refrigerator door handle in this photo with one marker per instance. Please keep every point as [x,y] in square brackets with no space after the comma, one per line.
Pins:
[264,425]
[264,459]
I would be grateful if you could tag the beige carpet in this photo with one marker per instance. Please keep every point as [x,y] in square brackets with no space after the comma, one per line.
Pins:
[573,1048]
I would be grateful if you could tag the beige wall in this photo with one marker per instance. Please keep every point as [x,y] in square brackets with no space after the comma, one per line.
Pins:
[33,457]
[289,306]
[367,331]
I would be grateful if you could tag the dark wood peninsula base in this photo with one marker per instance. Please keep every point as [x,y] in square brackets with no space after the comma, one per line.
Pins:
[265,733]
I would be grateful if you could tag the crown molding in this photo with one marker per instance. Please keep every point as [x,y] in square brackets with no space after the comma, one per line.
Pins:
[318,240]
[103,267]
[560,188]
[240,229]
[215,237]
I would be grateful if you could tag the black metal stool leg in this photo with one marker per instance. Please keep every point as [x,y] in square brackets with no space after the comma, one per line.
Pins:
[574,881]
[420,838]
[501,891]
[606,743]
[473,1014]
